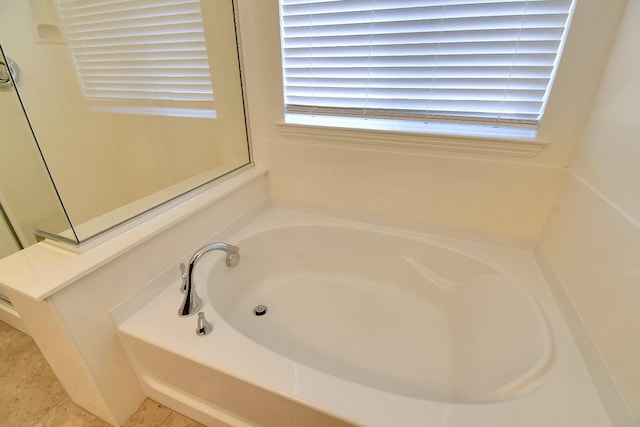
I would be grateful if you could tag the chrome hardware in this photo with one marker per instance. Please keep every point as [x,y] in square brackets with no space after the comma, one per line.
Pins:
[9,73]
[183,270]
[192,302]
[260,310]
[204,327]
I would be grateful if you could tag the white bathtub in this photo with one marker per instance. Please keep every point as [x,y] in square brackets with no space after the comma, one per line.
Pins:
[374,326]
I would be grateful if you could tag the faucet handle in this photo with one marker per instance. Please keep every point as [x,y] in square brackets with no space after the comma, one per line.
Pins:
[183,269]
[233,258]
[204,327]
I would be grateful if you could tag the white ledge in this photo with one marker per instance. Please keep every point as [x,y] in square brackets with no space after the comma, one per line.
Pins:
[414,141]
[43,269]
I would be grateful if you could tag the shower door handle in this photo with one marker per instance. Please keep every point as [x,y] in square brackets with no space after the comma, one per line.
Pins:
[9,73]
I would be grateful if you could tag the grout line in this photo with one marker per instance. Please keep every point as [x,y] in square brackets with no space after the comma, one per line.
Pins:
[167,417]
[50,409]
[62,398]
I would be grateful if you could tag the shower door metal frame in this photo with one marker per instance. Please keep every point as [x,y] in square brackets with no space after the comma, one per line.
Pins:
[4,217]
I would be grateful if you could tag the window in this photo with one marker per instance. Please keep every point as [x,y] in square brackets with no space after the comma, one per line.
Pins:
[455,62]
[141,56]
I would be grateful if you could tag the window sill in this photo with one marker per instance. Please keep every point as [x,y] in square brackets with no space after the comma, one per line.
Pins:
[493,145]
[156,111]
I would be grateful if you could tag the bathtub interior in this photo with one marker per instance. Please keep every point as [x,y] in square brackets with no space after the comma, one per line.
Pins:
[525,370]
[388,312]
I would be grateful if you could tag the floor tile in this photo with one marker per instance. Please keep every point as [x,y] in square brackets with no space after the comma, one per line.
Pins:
[31,400]
[19,362]
[307,417]
[29,388]
[14,346]
[11,339]
[68,414]
[32,396]
[178,420]
[149,413]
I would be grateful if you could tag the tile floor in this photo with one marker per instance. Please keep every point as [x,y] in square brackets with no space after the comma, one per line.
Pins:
[32,396]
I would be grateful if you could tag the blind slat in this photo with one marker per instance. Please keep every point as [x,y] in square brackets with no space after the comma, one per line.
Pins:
[473,60]
[84,9]
[139,50]
[411,83]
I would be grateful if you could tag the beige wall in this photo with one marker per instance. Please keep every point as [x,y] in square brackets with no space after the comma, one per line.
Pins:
[74,142]
[418,191]
[592,237]
[609,155]
[160,151]
[101,161]
[26,192]
[594,251]
[7,243]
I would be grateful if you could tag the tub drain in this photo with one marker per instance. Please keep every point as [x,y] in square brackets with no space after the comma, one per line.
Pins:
[260,310]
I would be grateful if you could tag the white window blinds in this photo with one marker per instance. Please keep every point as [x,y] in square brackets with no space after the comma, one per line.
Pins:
[469,61]
[141,56]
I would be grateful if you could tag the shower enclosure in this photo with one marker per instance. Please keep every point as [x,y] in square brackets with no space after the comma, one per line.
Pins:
[9,242]
[110,109]
[28,200]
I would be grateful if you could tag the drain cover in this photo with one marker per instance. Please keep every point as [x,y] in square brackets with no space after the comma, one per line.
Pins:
[260,310]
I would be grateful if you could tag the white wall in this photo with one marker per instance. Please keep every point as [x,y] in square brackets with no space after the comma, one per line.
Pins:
[483,193]
[609,154]
[592,237]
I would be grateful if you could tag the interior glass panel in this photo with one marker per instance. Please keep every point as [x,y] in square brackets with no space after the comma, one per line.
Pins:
[132,103]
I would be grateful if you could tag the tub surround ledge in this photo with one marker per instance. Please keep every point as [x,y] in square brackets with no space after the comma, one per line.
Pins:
[65,298]
[40,270]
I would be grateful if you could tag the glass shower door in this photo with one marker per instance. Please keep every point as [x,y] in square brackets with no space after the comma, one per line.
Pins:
[132,104]
[28,198]
[8,239]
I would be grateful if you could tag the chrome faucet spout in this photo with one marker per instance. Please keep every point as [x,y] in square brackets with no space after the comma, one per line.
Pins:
[192,302]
